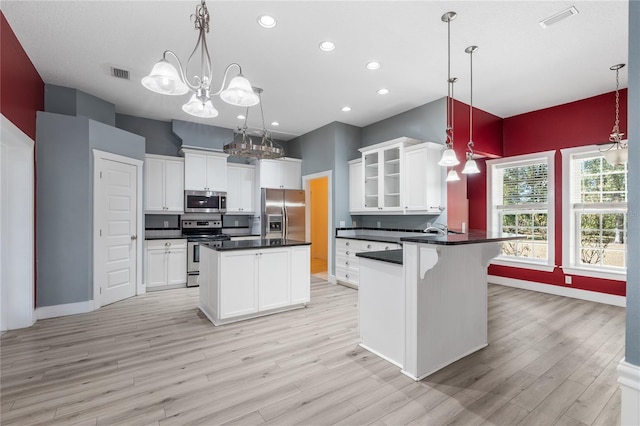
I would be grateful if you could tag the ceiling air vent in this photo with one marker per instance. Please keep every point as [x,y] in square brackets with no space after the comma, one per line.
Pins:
[120,73]
[558,17]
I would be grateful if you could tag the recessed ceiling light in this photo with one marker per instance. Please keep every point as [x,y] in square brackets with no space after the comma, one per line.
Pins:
[241,117]
[383,91]
[267,21]
[558,17]
[373,65]
[327,46]
[275,123]
[346,109]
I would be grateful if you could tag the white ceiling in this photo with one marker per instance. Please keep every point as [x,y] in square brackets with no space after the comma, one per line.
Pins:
[519,66]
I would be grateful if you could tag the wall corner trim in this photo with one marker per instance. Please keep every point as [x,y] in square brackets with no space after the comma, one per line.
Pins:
[65,309]
[575,293]
[629,379]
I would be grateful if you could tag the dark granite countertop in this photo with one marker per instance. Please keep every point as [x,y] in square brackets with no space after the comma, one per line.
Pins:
[472,237]
[171,237]
[378,238]
[261,243]
[390,256]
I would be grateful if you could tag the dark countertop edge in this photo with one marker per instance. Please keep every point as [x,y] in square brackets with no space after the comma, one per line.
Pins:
[389,256]
[256,244]
[376,229]
[374,238]
[473,237]
[180,237]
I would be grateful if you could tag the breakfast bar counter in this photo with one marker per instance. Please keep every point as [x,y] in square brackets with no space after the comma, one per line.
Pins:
[441,313]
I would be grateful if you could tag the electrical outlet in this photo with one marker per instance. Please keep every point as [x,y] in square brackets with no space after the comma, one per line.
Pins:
[235,223]
[354,224]
[342,224]
[379,225]
[166,223]
[567,279]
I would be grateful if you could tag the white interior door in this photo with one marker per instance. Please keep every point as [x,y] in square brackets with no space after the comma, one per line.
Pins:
[117,223]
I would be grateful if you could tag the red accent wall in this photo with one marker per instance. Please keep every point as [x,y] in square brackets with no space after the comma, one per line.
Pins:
[584,122]
[465,196]
[21,87]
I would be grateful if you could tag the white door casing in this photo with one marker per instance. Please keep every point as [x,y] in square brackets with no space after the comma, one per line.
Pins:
[117,225]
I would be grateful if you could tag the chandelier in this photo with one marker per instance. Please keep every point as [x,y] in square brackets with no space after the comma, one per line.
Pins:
[616,152]
[470,167]
[165,79]
[242,144]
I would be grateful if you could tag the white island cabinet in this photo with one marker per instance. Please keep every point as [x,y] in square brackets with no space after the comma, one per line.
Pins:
[250,278]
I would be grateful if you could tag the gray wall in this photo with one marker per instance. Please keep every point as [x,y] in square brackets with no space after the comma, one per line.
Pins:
[347,142]
[159,135]
[64,196]
[426,123]
[67,101]
[632,351]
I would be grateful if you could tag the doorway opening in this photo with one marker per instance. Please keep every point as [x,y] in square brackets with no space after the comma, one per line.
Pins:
[319,224]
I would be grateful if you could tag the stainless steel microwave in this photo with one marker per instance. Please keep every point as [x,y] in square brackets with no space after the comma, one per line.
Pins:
[205,202]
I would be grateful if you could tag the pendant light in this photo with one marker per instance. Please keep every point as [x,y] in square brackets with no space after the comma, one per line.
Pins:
[165,79]
[448,157]
[617,151]
[470,167]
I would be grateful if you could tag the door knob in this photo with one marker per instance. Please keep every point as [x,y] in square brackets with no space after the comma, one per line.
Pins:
[134,237]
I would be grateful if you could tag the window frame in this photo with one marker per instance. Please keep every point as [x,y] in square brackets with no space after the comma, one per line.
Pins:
[493,212]
[570,225]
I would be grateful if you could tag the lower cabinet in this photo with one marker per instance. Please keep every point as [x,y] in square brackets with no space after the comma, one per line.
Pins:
[347,263]
[240,284]
[165,263]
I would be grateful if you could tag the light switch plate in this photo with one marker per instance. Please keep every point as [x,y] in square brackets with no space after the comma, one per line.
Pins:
[342,224]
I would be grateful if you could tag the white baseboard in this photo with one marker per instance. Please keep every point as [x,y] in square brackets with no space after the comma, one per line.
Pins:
[53,311]
[629,379]
[575,293]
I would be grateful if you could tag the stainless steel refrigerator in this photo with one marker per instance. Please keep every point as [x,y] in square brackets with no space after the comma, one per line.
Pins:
[283,214]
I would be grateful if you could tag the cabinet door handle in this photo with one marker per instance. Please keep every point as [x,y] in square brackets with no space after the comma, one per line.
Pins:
[386,248]
[346,276]
[167,244]
[347,243]
[347,252]
[368,246]
[346,263]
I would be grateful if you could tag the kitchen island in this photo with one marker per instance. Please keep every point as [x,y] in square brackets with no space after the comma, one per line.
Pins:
[441,313]
[251,278]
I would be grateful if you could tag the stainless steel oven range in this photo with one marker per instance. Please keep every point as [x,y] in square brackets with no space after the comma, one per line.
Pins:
[197,231]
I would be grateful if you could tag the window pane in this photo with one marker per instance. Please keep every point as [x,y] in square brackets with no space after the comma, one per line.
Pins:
[524,220]
[525,184]
[590,221]
[592,166]
[509,220]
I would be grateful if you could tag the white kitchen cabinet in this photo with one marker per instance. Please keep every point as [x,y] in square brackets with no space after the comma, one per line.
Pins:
[238,283]
[356,186]
[300,267]
[384,176]
[348,264]
[240,188]
[423,183]
[165,263]
[283,173]
[274,278]
[164,185]
[205,170]
[241,284]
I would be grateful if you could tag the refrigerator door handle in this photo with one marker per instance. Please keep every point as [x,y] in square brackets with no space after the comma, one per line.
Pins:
[285,222]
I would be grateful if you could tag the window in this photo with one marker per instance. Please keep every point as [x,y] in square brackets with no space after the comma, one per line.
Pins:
[521,202]
[594,214]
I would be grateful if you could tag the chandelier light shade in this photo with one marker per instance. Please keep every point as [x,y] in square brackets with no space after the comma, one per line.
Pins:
[242,144]
[448,154]
[452,176]
[617,151]
[166,79]
[470,167]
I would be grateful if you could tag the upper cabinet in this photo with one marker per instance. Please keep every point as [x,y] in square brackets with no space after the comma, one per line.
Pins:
[283,173]
[356,186]
[205,170]
[240,188]
[423,182]
[164,185]
[384,175]
[400,176]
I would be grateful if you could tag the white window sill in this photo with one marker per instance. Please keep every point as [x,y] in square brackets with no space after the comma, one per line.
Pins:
[587,272]
[522,264]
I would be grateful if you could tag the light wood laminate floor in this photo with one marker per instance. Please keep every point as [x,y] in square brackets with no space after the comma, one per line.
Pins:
[156,359]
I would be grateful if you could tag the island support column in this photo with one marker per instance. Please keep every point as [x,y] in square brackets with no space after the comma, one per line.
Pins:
[445,303]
